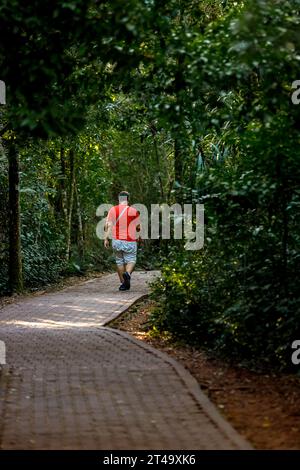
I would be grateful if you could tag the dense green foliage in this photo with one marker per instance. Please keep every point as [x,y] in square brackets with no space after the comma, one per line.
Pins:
[176,100]
[241,294]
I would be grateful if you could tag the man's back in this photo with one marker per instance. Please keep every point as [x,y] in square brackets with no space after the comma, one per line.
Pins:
[124,220]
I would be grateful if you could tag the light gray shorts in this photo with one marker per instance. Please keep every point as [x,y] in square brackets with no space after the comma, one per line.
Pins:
[125,252]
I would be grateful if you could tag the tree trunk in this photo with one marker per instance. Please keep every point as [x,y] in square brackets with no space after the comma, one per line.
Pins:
[178,161]
[161,186]
[15,256]
[63,191]
[80,224]
[71,203]
[179,141]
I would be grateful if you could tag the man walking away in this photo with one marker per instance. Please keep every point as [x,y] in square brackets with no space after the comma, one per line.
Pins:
[122,225]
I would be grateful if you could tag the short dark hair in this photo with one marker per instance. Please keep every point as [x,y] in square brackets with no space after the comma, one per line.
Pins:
[124,194]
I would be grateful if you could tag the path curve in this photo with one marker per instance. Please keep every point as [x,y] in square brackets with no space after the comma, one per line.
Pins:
[72,383]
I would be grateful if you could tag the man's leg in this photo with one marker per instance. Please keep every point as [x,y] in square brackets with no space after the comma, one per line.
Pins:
[129,267]
[120,262]
[130,260]
[121,270]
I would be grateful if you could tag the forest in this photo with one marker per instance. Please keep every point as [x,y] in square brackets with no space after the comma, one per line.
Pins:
[175,101]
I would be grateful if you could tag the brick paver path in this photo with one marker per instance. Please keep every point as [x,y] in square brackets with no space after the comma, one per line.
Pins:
[71,383]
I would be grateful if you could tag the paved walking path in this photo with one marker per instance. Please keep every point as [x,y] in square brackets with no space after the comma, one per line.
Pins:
[71,383]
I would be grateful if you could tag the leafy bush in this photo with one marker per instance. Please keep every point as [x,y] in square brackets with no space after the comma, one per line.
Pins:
[44,262]
[239,295]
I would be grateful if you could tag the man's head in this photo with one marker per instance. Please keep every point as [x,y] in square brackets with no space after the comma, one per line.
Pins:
[123,197]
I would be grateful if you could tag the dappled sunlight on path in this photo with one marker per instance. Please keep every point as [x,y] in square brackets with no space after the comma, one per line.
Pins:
[72,383]
[89,304]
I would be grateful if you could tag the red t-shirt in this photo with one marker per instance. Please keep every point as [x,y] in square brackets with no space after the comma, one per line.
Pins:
[125,228]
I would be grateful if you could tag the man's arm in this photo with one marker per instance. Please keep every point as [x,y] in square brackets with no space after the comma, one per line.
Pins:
[138,228]
[108,228]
